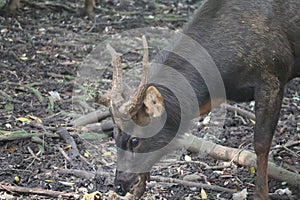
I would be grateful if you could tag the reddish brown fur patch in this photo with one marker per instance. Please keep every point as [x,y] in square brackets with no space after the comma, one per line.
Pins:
[206,107]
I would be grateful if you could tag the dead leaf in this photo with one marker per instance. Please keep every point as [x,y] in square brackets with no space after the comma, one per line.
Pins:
[242,195]
[24,120]
[252,170]
[225,175]
[17,179]
[93,196]
[66,148]
[37,119]
[187,158]
[66,183]
[11,150]
[203,194]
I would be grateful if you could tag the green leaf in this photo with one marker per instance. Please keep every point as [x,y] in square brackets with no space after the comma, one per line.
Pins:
[9,107]
[283,183]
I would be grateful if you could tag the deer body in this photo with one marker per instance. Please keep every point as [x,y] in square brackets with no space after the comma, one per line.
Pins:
[256,48]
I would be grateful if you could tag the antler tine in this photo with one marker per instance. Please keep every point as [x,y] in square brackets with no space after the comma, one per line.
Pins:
[117,85]
[146,64]
[139,94]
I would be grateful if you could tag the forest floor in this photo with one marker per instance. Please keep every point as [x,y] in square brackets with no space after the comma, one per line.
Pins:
[48,50]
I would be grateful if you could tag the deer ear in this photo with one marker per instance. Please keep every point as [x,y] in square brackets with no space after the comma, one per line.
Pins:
[153,102]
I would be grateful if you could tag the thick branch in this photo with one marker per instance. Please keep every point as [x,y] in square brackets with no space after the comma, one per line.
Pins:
[240,111]
[242,157]
[90,118]
[38,191]
[192,184]
[73,152]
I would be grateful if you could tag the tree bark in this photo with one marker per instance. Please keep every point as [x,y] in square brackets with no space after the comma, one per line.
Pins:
[88,9]
[12,6]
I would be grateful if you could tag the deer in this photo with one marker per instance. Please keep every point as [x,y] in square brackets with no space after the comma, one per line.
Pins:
[255,48]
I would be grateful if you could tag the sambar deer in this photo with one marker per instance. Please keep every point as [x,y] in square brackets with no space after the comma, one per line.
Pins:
[255,46]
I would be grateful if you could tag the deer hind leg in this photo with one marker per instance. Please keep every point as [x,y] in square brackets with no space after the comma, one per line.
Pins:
[268,99]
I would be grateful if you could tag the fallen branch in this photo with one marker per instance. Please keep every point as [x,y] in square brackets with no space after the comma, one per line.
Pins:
[21,134]
[41,126]
[38,191]
[83,174]
[191,184]
[65,155]
[64,134]
[31,88]
[73,152]
[288,144]
[82,103]
[95,136]
[198,163]
[8,97]
[17,135]
[240,111]
[90,118]
[36,92]
[33,154]
[51,5]
[245,158]
[78,173]
[98,127]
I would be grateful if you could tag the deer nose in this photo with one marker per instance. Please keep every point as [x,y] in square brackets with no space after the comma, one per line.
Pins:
[120,190]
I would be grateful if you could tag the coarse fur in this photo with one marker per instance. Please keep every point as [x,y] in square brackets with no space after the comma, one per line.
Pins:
[256,48]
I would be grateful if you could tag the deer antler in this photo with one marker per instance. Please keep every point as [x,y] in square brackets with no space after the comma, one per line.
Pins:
[145,76]
[117,88]
[117,85]
[137,98]
[146,64]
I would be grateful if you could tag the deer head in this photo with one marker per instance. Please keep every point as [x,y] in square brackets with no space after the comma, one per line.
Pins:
[141,127]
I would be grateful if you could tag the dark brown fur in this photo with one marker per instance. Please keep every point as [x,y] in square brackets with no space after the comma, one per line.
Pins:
[256,47]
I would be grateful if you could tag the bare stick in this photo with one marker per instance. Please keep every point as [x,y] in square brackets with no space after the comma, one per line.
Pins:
[65,155]
[78,173]
[38,191]
[191,184]
[98,128]
[90,118]
[84,174]
[245,158]
[205,166]
[240,111]
[73,152]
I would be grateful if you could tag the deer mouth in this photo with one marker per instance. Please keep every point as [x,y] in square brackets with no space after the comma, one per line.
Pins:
[135,184]
[139,186]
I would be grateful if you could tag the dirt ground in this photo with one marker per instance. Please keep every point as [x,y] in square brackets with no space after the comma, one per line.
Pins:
[44,48]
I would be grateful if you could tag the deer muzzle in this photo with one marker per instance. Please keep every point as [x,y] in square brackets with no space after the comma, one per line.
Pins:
[134,183]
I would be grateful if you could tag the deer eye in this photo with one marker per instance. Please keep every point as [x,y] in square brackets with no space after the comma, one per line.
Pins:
[134,142]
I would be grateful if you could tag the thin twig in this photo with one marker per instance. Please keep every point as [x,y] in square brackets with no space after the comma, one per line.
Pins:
[33,154]
[288,144]
[64,154]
